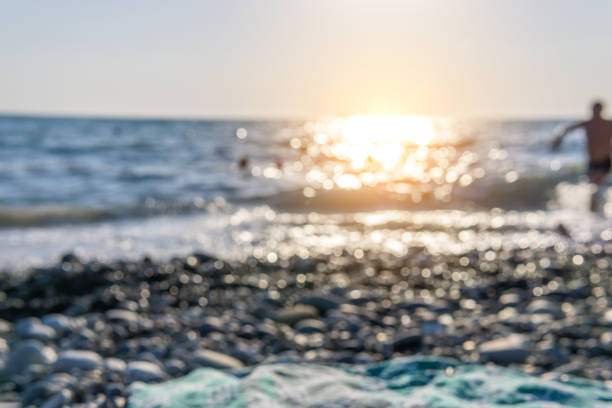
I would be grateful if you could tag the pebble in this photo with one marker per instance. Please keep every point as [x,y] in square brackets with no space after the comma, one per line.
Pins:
[4,347]
[510,299]
[46,388]
[505,350]
[292,315]
[114,365]
[606,341]
[408,340]
[431,328]
[122,316]
[29,352]
[58,322]
[144,371]
[213,359]
[211,324]
[323,302]
[175,367]
[607,318]
[5,327]
[69,360]
[32,328]
[309,326]
[58,400]
[542,306]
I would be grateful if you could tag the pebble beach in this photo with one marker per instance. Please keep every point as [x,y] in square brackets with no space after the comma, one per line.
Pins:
[79,333]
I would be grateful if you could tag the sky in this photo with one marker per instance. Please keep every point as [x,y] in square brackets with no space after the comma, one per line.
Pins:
[305,58]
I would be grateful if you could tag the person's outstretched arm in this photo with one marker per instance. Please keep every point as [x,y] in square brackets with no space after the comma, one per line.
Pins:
[560,134]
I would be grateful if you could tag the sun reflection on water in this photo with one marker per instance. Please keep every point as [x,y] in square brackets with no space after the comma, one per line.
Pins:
[381,139]
[413,156]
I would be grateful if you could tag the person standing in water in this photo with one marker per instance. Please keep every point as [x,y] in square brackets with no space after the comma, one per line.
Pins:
[599,134]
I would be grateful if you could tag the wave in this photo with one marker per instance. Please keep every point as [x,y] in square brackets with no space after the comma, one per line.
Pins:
[28,217]
[528,192]
[417,382]
[33,216]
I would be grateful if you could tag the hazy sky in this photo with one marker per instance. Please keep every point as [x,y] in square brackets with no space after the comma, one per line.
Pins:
[302,58]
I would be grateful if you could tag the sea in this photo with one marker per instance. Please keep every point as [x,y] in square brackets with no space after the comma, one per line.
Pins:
[110,189]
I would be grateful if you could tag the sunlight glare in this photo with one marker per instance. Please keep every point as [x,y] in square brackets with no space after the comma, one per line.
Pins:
[380,140]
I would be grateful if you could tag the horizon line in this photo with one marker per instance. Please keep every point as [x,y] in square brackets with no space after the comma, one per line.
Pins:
[261,118]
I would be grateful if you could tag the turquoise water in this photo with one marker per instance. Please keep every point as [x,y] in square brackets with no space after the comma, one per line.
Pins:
[403,382]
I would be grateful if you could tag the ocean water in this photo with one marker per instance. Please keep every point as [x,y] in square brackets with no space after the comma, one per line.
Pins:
[110,189]
[398,383]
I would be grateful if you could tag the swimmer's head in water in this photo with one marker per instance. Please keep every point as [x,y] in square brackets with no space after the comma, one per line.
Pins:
[597,108]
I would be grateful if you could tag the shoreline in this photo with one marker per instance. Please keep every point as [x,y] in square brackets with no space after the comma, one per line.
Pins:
[543,312]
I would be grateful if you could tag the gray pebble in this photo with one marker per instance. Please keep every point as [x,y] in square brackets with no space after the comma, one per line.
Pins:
[606,341]
[5,327]
[58,400]
[211,324]
[510,349]
[29,352]
[122,316]
[309,326]
[144,371]
[114,365]
[77,359]
[292,315]
[323,302]
[47,387]
[510,299]
[607,318]
[58,322]
[544,306]
[209,358]
[407,340]
[175,367]
[32,328]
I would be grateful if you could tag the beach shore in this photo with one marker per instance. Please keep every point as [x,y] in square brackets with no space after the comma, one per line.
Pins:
[81,332]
